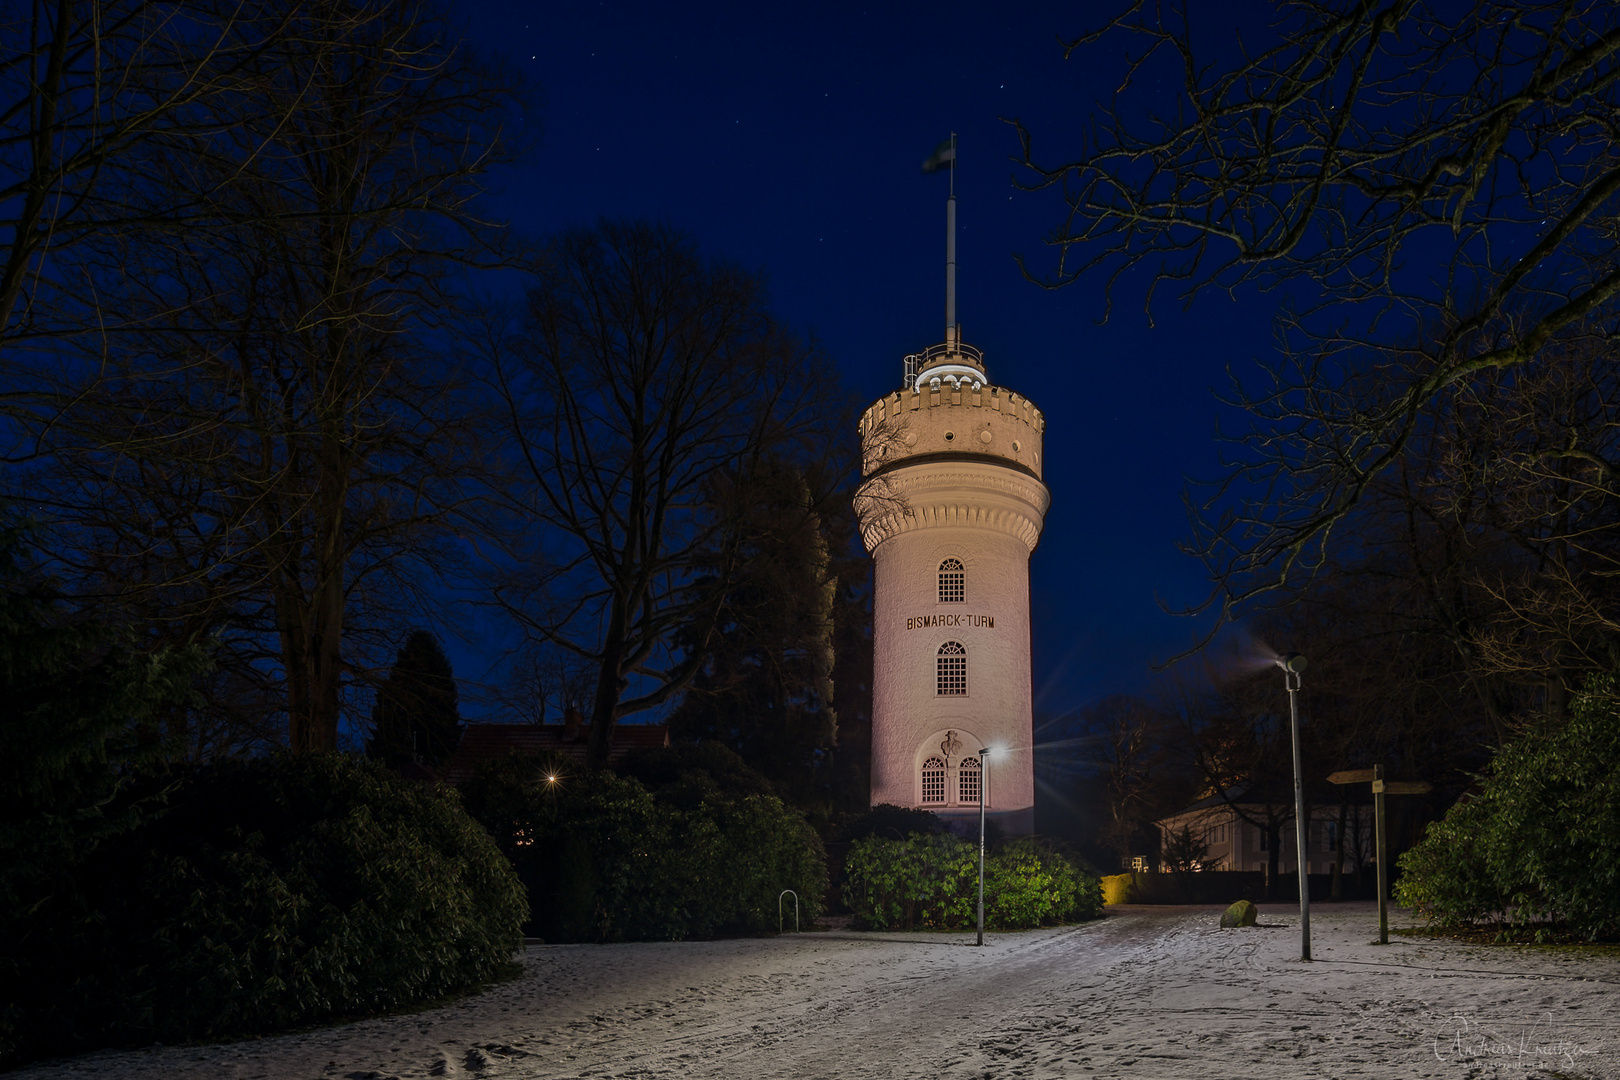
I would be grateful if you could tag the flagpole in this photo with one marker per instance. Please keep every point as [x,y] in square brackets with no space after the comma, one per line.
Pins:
[950,252]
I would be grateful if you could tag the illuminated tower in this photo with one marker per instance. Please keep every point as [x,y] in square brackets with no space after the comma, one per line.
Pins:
[951,506]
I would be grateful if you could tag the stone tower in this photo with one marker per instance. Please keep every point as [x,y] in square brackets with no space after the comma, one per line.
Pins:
[951,506]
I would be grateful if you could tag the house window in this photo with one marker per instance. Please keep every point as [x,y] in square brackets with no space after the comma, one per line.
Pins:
[952,582]
[933,780]
[967,781]
[951,669]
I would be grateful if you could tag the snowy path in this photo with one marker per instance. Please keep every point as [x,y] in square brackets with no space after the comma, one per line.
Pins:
[1147,992]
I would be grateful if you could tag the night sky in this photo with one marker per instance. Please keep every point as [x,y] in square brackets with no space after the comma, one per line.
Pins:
[791,140]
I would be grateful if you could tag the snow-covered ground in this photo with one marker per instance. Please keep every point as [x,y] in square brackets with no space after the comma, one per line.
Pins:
[1146,992]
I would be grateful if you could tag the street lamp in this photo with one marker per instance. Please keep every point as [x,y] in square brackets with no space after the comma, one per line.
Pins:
[984,785]
[1292,664]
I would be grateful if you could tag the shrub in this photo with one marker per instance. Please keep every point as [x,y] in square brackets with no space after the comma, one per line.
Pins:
[81,712]
[708,765]
[607,859]
[931,880]
[276,892]
[1537,844]
[738,856]
[1444,877]
[891,822]
[1029,882]
[927,879]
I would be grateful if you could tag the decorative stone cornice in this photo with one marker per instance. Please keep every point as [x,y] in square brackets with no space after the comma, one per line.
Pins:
[946,495]
[876,530]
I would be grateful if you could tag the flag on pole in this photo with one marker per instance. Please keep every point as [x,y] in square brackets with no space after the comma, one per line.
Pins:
[943,157]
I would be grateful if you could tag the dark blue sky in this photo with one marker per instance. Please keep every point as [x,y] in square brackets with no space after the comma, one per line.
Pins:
[790,138]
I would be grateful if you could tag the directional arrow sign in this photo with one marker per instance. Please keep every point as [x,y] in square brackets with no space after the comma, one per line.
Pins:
[1352,776]
[1407,787]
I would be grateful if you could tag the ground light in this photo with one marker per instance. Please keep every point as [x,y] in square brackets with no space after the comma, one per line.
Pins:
[1292,664]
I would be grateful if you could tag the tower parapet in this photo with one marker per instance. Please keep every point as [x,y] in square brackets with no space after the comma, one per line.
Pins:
[986,421]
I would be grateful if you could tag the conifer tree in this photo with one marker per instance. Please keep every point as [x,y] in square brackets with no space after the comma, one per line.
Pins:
[417,716]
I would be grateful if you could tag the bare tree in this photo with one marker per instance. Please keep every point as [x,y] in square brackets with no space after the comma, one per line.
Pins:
[82,84]
[268,440]
[646,375]
[1432,188]
[1184,849]
[1473,582]
[1233,734]
[1125,738]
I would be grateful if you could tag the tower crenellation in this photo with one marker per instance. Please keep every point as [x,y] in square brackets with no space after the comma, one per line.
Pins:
[991,420]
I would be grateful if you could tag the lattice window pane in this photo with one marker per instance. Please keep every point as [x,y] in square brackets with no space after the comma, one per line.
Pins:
[952,669]
[952,582]
[933,780]
[967,781]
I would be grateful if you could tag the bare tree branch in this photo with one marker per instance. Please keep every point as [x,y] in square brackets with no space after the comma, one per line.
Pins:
[1433,191]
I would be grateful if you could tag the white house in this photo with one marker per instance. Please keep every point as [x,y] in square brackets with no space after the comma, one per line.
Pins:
[1233,843]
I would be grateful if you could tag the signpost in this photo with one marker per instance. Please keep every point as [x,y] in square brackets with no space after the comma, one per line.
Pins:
[1380,787]
[1352,776]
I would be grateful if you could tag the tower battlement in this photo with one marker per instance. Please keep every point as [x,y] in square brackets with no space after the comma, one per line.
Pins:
[990,422]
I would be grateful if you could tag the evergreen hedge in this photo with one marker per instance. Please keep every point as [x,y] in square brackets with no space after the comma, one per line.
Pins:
[607,858]
[931,880]
[1536,848]
[270,893]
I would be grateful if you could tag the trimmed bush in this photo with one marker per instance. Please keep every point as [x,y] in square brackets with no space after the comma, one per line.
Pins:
[271,893]
[1536,846]
[931,881]
[606,859]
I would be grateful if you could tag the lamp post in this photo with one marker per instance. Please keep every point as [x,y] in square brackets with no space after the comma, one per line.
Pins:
[1292,664]
[984,785]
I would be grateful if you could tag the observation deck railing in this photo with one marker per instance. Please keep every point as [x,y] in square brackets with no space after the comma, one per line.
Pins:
[949,350]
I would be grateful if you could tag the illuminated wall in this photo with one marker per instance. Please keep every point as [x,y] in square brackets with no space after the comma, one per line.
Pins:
[951,507]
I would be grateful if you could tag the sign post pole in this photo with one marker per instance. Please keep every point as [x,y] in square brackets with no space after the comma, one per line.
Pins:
[1381,787]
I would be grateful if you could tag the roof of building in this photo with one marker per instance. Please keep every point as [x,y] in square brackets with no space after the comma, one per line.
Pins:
[1245,796]
[486,742]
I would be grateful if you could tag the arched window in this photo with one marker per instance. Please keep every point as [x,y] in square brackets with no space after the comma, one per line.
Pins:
[967,780]
[952,669]
[933,780]
[952,582]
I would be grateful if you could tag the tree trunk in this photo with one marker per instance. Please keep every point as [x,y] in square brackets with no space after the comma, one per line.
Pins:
[1338,849]
[1273,857]
[610,684]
